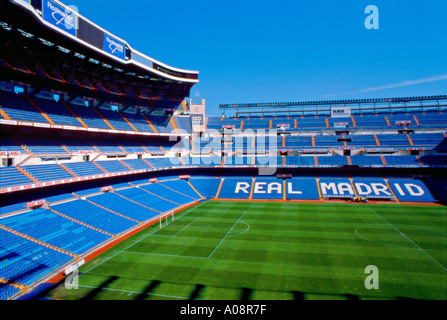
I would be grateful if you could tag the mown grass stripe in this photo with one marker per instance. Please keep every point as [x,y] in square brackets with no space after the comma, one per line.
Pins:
[289,247]
[406,237]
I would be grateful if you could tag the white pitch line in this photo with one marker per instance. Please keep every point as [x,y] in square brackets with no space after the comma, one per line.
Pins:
[238,234]
[185,227]
[226,234]
[107,259]
[131,292]
[405,236]
[165,254]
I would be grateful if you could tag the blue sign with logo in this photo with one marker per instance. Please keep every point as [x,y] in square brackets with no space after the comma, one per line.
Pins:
[114,47]
[60,17]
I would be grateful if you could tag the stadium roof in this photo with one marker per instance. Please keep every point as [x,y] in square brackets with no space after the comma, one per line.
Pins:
[45,37]
[373,104]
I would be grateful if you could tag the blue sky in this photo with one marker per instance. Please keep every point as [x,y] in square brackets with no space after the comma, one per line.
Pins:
[287,50]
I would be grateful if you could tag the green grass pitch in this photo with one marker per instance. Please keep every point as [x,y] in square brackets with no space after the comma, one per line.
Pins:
[225,250]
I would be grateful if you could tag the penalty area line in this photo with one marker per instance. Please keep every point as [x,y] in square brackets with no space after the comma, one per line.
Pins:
[135,292]
[226,235]
[185,227]
[121,251]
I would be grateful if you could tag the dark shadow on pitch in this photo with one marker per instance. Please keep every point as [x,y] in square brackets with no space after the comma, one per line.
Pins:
[195,294]
[147,292]
[351,297]
[298,295]
[246,293]
[92,294]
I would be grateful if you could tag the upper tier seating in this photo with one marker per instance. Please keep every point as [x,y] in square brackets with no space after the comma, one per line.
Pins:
[366,160]
[9,145]
[312,122]
[40,146]
[333,160]
[12,177]
[136,164]
[401,160]
[17,107]
[57,112]
[112,166]
[47,172]
[39,109]
[83,169]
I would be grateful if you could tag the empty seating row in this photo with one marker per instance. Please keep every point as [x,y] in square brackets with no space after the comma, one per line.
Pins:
[24,261]
[145,196]
[48,146]
[47,172]
[112,166]
[95,216]
[46,226]
[39,109]
[42,147]
[119,204]
[247,143]
[83,169]
[12,177]
[310,122]
[30,174]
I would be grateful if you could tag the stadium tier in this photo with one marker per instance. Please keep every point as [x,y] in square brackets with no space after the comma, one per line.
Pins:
[49,112]
[376,120]
[77,225]
[23,177]
[70,225]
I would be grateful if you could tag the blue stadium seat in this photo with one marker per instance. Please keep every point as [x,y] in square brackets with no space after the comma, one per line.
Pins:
[150,200]
[47,172]
[121,205]
[235,188]
[366,160]
[403,160]
[112,166]
[207,187]
[83,169]
[411,190]
[12,177]
[24,261]
[46,226]
[302,189]
[95,216]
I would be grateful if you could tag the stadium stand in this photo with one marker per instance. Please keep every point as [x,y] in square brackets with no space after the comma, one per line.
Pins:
[95,216]
[25,261]
[12,177]
[206,187]
[83,169]
[56,230]
[133,210]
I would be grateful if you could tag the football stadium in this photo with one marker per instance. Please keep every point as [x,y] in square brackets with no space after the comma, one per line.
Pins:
[116,184]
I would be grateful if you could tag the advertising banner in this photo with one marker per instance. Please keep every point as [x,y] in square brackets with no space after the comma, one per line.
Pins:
[59,17]
[114,47]
[340,112]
